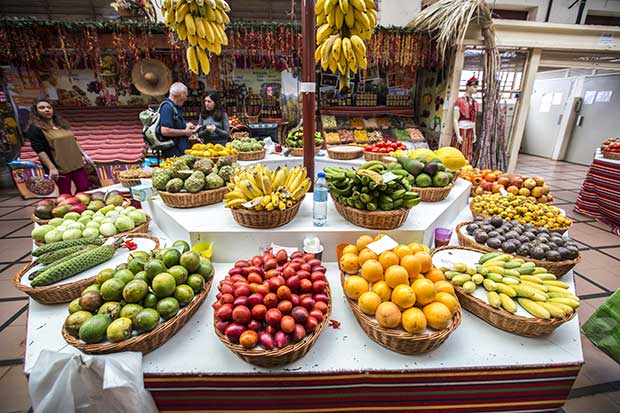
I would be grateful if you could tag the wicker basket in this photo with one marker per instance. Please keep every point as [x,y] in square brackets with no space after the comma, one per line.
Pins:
[265,219]
[372,219]
[279,356]
[345,155]
[300,151]
[502,319]
[189,200]
[60,293]
[38,220]
[372,156]
[251,156]
[611,155]
[558,230]
[557,268]
[127,183]
[145,343]
[398,340]
[433,194]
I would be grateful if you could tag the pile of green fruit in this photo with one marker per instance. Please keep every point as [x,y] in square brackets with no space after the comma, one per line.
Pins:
[65,259]
[191,174]
[107,222]
[507,278]
[137,296]
[425,174]
[248,145]
[374,186]
[295,139]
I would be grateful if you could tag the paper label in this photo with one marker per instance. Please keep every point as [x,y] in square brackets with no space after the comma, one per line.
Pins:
[606,39]
[604,96]
[389,176]
[384,244]
[252,203]
[289,250]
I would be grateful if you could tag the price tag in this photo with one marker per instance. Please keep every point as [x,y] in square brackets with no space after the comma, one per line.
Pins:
[389,176]
[384,244]
[252,203]
[289,250]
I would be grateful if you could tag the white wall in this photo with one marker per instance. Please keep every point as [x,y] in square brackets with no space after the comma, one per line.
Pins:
[559,11]
[398,12]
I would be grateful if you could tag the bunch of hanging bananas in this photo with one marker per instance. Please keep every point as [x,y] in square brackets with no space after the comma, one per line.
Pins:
[201,24]
[260,189]
[342,27]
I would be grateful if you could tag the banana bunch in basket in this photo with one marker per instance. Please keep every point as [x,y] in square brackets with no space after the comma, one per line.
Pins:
[200,23]
[342,28]
[260,189]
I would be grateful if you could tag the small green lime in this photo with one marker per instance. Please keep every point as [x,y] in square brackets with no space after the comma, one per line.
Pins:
[142,276]
[171,257]
[154,267]
[184,294]
[196,282]
[190,260]
[168,307]
[136,265]
[146,320]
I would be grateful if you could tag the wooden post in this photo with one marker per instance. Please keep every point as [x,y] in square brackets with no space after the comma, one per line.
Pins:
[308,87]
[452,95]
[524,106]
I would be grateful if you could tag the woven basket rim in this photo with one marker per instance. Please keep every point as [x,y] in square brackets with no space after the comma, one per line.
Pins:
[345,155]
[377,212]
[300,151]
[276,353]
[182,195]
[133,343]
[43,293]
[276,215]
[252,155]
[611,155]
[551,323]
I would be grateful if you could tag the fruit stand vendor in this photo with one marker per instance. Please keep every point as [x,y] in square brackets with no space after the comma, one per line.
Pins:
[465,109]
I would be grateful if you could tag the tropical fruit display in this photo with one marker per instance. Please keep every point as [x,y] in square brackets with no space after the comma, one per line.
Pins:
[426,174]
[201,24]
[272,300]
[611,145]
[247,145]
[295,139]
[106,222]
[521,209]
[399,287]
[191,174]
[80,202]
[452,159]
[342,28]
[526,240]
[488,181]
[511,281]
[149,289]
[210,150]
[259,188]
[367,189]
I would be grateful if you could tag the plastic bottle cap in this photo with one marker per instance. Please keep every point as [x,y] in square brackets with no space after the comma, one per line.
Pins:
[321,175]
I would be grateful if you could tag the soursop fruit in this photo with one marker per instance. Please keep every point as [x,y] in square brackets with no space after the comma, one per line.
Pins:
[226,173]
[199,175]
[174,185]
[161,177]
[205,165]
[194,184]
[214,181]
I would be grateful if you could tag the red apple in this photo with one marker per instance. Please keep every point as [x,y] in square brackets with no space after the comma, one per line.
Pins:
[540,181]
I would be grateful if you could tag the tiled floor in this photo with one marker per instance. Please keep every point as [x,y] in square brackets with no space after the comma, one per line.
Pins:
[597,388]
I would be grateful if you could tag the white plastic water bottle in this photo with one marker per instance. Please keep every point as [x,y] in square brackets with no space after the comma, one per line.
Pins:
[319,207]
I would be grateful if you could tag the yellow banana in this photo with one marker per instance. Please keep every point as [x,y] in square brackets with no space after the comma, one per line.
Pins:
[372,16]
[181,12]
[204,60]
[218,16]
[370,4]
[323,33]
[202,43]
[346,48]
[182,31]
[333,63]
[349,18]
[344,5]
[210,14]
[328,47]
[169,18]
[363,20]
[212,4]
[192,60]
[192,40]
[331,18]
[319,7]
[342,64]
[328,6]
[320,19]
[363,64]
[200,27]
[235,203]
[358,4]
[353,64]
[317,53]
[338,18]
[358,46]
[209,33]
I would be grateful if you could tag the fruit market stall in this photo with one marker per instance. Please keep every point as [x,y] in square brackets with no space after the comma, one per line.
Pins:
[599,196]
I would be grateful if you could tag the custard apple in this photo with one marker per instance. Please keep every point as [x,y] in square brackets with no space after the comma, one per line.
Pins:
[226,173]
[214,181]
[174,185]
[160,178]
[194,184]
[204,164]
[223,161]
[189,160]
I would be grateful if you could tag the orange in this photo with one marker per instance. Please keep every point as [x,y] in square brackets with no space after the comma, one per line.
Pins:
[365,255]
[355,286]
[388,314]
[412,264]
[396,275]
[350,249]
[403,296]
[369,302]
[437,315]
[424,291]
[449,300]
[363,241]
[415,247]
[349,263]
[401,250]
[414,320]
[426,262]
[435,275]
[388,258]
[444,287]
[382,289]
[372,271]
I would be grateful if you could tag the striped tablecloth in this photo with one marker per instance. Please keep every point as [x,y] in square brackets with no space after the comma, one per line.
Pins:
[600,194]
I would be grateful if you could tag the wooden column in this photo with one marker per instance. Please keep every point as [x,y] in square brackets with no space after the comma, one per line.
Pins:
[308,89]
[524,106]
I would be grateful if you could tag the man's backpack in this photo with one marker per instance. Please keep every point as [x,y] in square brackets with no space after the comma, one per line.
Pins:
[150,128]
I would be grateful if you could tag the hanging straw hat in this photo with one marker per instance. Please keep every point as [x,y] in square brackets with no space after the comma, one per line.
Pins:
[151,77]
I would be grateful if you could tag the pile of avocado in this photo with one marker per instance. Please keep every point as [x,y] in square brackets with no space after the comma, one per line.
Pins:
[426,173]
[135,297]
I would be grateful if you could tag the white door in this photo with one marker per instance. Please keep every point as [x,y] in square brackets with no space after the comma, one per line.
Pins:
[547,105]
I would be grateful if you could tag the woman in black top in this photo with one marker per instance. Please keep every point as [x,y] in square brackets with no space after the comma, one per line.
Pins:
[52,139]
[214,126]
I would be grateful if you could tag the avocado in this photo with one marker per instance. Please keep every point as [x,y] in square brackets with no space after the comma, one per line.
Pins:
[441,179]
[94,329]
[423,181]
[414,167]
[431,168]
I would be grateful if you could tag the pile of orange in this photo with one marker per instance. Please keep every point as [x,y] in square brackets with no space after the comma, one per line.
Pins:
[399,287]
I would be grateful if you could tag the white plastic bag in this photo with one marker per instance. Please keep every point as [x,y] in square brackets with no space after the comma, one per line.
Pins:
[62,382]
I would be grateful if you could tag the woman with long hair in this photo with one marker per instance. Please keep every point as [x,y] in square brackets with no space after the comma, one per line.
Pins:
[214,126]
[52,139]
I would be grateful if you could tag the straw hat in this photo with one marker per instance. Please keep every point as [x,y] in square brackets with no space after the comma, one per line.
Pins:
[151,77]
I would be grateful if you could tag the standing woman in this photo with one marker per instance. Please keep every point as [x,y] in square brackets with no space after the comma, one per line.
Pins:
[52,139]
[214,126]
